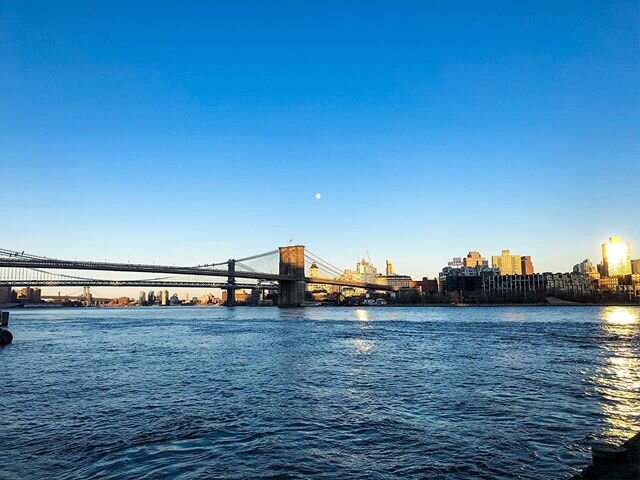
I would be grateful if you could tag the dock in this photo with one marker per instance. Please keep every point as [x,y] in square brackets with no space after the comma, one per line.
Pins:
[611,462]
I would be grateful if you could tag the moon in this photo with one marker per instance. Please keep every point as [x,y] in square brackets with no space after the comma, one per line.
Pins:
[317,196]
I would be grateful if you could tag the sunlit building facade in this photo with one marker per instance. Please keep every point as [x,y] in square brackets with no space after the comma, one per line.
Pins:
[616,257]
[389,268]
[586,267]
[507,264]
[474,259]
[364,272]
[314,272]
[400,281]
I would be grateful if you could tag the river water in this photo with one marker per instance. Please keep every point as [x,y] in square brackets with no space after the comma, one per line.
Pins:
[195,392]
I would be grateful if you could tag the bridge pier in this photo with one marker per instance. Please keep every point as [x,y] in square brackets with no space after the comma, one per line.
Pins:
[231,281]
[291,292]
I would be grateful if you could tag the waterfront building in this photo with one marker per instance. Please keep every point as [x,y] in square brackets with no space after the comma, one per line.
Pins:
[426,285]
[526,266]
[461,283]
[571,284]
[635,266]
[448,277]
[507,264]
[401,281]
[608,284]
[142,298]
[512,284]
[474,259]
[630,285]
[616,257]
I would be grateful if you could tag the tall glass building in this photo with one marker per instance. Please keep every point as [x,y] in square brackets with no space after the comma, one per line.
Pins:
[616,257]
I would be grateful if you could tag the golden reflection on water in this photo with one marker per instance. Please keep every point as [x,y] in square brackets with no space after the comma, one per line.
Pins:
[362,346]
[618,381]
[621,316]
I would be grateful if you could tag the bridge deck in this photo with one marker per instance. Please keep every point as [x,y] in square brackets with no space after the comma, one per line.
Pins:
[137,267]
[50,264]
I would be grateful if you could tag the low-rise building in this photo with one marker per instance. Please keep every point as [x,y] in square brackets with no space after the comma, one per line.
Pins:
[426,285]
[608,284]
[400,281]
[572,284]
[569,284]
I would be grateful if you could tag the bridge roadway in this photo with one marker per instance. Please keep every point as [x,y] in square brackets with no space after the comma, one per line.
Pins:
[180,284]
[137,267]
[161,269]
[130,283]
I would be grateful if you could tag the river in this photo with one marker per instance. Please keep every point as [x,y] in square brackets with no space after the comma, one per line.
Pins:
[379,392]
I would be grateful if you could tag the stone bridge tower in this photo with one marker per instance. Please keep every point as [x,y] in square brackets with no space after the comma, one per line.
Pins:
[291,292]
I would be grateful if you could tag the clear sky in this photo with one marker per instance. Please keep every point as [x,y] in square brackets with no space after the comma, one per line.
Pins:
[185,132]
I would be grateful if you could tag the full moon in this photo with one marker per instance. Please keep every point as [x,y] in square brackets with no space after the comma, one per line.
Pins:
[318,196]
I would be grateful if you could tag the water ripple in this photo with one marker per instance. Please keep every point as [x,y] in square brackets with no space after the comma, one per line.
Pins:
[325,393]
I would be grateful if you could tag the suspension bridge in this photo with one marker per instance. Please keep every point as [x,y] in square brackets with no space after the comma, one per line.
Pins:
[283,269]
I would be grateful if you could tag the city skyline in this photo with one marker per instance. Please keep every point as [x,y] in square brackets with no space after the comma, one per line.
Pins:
[516,265]
[415,124]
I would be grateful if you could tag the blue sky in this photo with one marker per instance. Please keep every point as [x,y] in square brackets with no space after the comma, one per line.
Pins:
[191,131]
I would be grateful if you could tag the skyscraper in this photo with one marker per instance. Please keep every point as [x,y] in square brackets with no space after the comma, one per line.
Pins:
[635,266]
[507,264]
[389,269]
[616,257]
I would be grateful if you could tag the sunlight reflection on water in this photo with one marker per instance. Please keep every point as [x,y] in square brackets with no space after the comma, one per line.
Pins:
[619,380]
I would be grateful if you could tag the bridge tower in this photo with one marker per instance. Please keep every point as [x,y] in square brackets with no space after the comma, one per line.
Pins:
[291,292]
[231,281]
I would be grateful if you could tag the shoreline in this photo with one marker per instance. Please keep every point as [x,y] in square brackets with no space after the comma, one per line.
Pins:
[392,305]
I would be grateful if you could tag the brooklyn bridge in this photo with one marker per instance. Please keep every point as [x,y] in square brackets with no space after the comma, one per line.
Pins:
[283,269]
